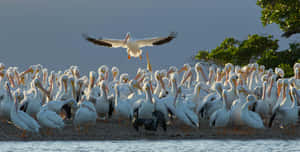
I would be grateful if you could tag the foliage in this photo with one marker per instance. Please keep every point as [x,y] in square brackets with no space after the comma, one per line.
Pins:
[285,13]
[284,59]
[288,70]
[239,52]
[202,55]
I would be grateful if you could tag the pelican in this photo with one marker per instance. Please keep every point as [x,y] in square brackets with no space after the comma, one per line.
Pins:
[103,105]
[32,103]
[6,103]
[183,112]
[21,119]
[122,106]
[288,109]
[221,117]
[132,46]
[49,119]
[85,115]
[147,106]
[211,102]
[250,118]
[231,94]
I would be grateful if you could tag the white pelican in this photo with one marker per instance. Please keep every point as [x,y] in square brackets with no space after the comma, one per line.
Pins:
[92,92]
[132,46]
[271,92]
[231,94]
[49,119]
[211,102]
[221,117]
[123,107]
[187,75]
[85,115]
[288,109]
[102,105]
[183,112]
[262,106]
[201,73]
[237,105]
[32,102]
[21,119]
[250,118]
[147,106]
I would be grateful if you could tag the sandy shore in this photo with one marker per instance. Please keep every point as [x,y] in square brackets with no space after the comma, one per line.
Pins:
[112,130]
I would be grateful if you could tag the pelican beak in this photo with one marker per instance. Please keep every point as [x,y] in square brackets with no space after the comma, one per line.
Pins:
[150,95]
[66,86]
[92,81]
[176,96]
[137,76]
[11,80]
[18,77]
[141,80]
[182,69]
[149,67]
[44,78]
[198,91]
[9,91]
[151,87]
[162,83]
[114,73]
[36,72]
[73,89]
[190,74]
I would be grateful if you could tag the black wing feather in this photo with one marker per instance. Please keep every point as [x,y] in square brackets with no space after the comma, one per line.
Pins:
[96,41]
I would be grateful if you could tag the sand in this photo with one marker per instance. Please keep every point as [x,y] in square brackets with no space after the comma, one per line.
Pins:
[112,130]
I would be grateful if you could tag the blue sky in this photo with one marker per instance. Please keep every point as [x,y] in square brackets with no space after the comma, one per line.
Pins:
[49,32]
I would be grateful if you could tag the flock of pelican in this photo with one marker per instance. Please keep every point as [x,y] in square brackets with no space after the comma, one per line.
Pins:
[229,96]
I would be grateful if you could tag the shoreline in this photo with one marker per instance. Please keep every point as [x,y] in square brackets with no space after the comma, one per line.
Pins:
[112,131]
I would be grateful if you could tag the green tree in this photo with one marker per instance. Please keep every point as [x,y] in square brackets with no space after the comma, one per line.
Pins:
[285,13]
[202,55]
[240,52]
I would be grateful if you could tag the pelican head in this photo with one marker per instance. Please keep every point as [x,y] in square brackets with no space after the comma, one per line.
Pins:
[2,66]
[251,99]
[218,87]
[127,37]
[115,72]
[185,67]
[124,78]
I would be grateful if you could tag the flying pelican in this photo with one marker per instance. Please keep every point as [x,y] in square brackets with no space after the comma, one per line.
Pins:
[132,46]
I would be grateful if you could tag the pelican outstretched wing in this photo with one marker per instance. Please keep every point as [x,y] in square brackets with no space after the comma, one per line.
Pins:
[106,42]
[156,41]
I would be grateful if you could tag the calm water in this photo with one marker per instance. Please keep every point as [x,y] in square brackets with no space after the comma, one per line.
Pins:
[161,146]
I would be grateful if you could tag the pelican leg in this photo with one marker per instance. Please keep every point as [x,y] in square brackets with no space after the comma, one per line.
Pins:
[129,57]
[140,57]
[224,131]
[86,127]
[23,134]
[78,128]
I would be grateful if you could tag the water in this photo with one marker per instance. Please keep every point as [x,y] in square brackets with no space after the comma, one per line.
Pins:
[160,146]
